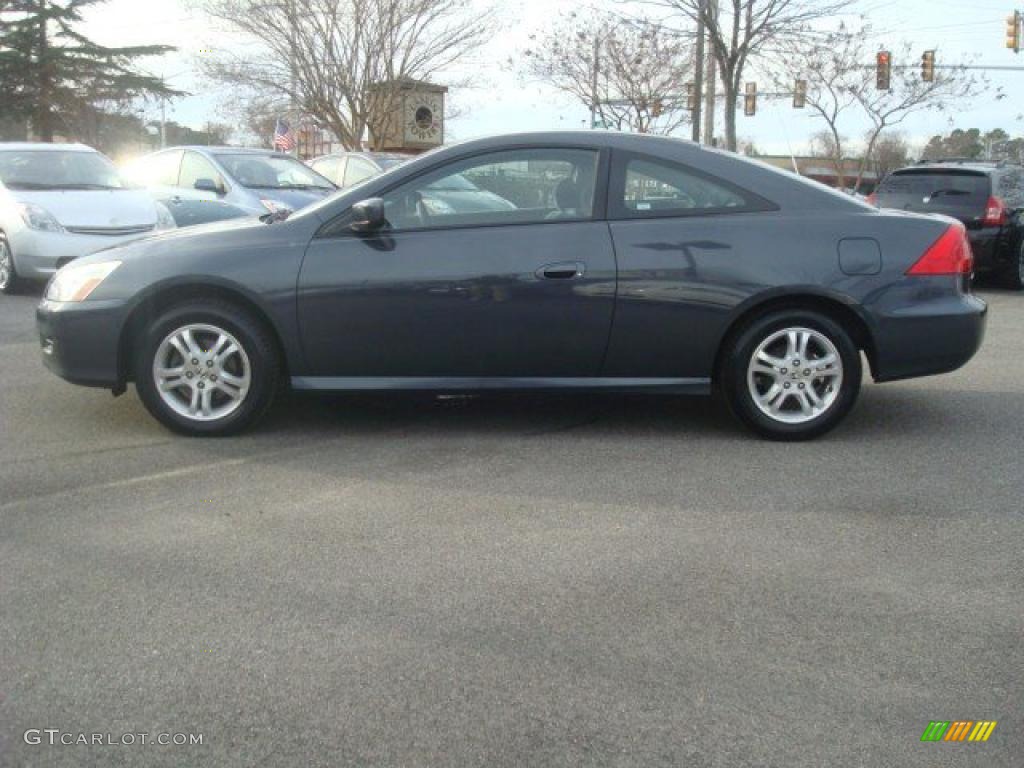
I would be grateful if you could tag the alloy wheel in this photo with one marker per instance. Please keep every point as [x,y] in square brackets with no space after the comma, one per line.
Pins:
[6,265]
[795,375]
[202,372]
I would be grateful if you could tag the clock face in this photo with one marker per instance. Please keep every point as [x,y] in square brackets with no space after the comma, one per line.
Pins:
[422,118]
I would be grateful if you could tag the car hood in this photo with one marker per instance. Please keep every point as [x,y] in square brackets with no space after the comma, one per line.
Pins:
[94,208]
[293,198]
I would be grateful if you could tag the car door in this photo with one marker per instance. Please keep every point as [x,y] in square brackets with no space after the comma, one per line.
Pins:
[195,167]
[523,287]
[157,172]
[679,234]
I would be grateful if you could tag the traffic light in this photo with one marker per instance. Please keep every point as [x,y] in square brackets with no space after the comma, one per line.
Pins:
[883,70]
[1013,32]
[799,94]
[691,96]
[928,66]
[657,108]
[750,100]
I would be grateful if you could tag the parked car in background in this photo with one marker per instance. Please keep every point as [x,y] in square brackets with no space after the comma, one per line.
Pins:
[190,212]
[987,197]
[62,201]
[455,194]
[257,180]
[346,169]
[628,263]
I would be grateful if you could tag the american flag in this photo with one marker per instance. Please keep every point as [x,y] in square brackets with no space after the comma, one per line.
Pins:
[284,136]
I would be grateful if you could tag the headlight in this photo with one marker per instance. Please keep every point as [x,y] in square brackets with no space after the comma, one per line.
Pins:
[76,282]
[275,207]
[164,220]
[39,218]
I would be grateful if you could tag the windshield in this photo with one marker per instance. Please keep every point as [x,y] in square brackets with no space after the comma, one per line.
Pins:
[54,169]
[272,172]
[943,188]
[386,162]
[454,183]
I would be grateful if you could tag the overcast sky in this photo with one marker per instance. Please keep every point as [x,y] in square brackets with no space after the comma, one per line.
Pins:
[502,102]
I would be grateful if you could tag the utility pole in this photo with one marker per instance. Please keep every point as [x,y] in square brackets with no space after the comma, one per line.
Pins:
[698,76]
[293,112]
[163,122]
[710,77]
[593,82]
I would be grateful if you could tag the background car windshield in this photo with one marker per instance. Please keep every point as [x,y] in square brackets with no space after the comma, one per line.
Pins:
[454,182]
[387,162]
[943,188]
[271,172]
[58,170]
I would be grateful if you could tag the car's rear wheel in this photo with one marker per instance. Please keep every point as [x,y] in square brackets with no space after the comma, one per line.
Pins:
[792,374]
[9,282]
[1013,277]
[206,368]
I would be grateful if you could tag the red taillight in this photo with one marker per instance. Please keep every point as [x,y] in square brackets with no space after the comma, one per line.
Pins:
[995,213]
[872,199]
[949,255]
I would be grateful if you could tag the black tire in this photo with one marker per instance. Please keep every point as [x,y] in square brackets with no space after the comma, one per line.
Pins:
[1013,275]
[735,377]
[252,337]
[10,283]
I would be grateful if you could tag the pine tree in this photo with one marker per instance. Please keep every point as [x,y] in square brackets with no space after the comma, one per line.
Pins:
[49,71]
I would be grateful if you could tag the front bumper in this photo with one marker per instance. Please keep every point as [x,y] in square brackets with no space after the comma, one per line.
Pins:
[37,255]
[79,340]
[926,326]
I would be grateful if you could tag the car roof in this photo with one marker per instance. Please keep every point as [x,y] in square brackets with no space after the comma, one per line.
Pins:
[204,149]
[22,146]
[975,166]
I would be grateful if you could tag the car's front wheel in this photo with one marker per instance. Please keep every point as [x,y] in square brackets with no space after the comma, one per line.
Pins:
[8,274]
[792,374]
[206,368]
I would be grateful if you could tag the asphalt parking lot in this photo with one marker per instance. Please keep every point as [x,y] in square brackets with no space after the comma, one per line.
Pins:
[513,581]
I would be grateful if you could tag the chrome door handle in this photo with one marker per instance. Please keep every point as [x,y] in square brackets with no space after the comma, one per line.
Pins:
[563,270]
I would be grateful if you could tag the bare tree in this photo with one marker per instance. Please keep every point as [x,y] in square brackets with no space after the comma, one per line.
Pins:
[741,30]
[343,62]
[841,86]
[829,146]
[631,74]
[891,152]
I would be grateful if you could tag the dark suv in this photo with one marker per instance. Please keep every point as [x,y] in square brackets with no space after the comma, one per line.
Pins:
[987,197]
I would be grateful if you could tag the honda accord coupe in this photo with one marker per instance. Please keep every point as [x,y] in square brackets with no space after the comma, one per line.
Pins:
[623,263]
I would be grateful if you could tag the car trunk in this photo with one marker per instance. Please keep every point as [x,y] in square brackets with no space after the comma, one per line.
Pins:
[960,193]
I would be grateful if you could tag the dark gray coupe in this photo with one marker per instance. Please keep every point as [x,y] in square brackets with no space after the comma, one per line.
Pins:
[621,263]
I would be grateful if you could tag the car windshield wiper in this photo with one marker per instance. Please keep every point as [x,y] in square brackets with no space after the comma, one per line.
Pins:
[86,186]
[951,192]
[302,186]
[15,184]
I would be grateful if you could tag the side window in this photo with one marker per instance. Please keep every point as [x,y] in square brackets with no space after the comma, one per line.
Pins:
[647,187]
[357,170]
[508,187]
[327,166]
[160,170]
[1011,188]
[195,167]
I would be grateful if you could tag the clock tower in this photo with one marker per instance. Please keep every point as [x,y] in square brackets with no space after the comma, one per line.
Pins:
[415,120]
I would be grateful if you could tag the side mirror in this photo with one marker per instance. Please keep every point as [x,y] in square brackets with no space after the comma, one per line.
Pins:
[368,215]
[208,185]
